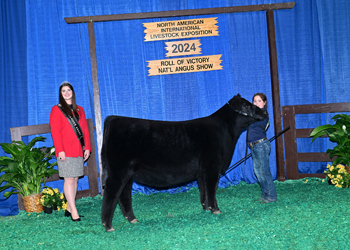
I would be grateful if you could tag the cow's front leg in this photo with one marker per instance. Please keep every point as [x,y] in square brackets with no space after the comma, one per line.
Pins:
[125,202]
[211,184]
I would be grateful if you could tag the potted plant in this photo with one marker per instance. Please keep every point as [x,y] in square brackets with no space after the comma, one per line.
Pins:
[340,134]
[26,170]
[338,175]
[52,199]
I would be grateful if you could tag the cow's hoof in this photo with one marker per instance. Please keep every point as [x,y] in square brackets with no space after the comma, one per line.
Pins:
[134,221]
[216,212]
[206,208]
[110,230]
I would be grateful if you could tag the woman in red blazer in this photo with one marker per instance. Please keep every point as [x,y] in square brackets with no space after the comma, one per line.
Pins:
[69,152]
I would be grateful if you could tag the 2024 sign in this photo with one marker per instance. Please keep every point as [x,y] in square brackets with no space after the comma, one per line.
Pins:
[183,48]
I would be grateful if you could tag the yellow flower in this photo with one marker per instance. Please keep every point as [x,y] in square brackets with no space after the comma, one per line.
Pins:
[306,181]
[323,180]
[328,166]
[61,196]
[331,168]
[339,176]
[56,190]
[64,206]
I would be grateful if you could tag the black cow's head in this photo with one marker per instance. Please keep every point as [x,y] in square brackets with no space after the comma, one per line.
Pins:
[246,108]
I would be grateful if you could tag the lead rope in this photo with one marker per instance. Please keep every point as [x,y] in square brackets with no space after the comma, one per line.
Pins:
[246,146]
[229,169]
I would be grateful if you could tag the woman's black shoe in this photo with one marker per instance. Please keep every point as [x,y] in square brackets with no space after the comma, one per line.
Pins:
[75,219]
[67,214]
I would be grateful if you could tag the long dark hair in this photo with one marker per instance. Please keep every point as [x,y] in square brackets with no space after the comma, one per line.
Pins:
[66,109]
[262,96]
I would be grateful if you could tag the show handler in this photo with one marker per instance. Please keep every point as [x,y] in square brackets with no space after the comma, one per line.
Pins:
[69,149]
[261,148]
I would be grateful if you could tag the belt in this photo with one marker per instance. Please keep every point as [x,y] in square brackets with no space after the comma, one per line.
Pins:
[251,144]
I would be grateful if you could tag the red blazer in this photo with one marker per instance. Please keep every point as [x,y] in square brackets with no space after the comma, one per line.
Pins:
[63,135]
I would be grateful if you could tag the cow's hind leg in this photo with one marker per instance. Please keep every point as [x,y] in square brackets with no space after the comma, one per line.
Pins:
[114,186]
[125,202]
[203,194]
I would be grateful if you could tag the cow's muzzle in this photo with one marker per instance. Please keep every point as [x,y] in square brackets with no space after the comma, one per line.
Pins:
[250,114]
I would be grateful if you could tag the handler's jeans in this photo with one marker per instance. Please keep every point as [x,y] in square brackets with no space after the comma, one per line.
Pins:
[260,155]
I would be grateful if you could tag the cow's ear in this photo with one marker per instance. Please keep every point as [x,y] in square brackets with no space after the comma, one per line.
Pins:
[237,96]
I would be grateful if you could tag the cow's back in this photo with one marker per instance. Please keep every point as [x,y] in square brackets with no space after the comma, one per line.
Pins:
[161,153]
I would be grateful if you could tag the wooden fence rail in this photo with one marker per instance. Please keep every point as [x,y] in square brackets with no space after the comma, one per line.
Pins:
[90,170]
[292,157]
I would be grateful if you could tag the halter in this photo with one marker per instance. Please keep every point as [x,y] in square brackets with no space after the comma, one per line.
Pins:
[242,112]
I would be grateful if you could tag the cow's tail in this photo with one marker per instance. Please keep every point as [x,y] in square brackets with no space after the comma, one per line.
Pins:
[104,169]
[103,153]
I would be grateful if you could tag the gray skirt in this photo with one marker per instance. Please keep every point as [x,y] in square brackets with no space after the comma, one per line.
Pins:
[71,167]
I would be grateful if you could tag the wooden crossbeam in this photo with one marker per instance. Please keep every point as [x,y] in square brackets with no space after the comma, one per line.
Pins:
[179,13]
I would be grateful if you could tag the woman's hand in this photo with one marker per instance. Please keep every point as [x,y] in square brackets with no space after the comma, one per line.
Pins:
[62,156]
[86,154]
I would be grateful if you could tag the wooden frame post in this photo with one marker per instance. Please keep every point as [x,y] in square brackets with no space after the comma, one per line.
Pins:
[275,93]
[96,91]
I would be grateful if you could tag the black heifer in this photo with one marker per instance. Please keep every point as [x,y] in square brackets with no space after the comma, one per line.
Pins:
[163,154]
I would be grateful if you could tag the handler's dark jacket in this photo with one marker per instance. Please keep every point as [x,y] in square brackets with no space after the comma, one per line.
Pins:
[257,130]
